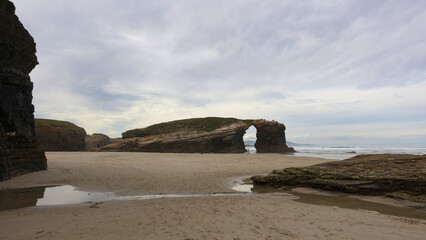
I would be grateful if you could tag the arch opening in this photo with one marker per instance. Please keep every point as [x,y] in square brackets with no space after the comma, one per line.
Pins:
[249,139]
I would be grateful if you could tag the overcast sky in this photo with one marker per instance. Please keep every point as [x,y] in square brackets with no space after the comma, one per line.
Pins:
[334,72]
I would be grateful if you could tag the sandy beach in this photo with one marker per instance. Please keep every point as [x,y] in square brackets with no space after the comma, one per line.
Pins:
[246,216]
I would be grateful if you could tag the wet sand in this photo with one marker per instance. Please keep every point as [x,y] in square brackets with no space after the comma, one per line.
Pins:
[252,216]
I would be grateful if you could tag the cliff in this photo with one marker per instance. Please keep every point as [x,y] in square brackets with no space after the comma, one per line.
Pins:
[97,140]
[54,135]
[197,135]
[18,152]
[396,175]
[270,137]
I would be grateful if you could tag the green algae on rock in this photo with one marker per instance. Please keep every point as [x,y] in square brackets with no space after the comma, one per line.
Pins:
[394,175]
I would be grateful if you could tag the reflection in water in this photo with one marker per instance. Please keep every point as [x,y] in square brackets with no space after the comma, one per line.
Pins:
[243,187]
[342,201]
[48,195]
[18,198]
[354,203]
[60,195]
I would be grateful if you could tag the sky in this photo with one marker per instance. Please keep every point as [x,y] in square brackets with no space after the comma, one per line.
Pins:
[336,73]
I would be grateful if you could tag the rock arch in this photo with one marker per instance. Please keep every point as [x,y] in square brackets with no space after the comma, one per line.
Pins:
[203,135]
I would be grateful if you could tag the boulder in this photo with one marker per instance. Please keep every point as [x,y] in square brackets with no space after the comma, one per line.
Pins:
[54,135]
[397,175]
[18,149]
[195,135]
[97,140]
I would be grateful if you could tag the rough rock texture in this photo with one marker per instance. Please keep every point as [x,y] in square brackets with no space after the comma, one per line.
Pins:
[270,137]
[398,175]
[18,152]
[226,139]
[54,135]
[199,135]
[97,140]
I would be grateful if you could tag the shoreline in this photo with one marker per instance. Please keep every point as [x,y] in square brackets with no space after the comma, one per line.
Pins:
[253,216]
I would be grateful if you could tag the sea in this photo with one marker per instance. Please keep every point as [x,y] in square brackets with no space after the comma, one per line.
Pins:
[340,153]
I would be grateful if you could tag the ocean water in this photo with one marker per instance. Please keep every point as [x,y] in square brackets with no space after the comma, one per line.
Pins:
[340,153]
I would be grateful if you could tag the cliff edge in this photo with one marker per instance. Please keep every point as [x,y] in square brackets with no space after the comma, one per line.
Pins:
[55,135]
[18,149]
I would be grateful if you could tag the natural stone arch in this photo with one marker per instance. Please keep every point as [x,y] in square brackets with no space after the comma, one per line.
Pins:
[199,135]
[249,139]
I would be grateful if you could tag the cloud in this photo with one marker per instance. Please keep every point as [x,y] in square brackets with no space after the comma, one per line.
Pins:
[114,65]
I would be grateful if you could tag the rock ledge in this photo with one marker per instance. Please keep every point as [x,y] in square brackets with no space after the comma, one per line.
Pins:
[394,175]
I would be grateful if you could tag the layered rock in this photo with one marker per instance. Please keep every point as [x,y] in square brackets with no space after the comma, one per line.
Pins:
[225,139]
[398,175]
[97,140]
[54,135]
[270,137]
[199,135]
[18,151]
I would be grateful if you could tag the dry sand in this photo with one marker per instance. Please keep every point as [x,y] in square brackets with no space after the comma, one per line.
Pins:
[251,216]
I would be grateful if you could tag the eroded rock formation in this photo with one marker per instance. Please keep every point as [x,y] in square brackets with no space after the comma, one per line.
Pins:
[270,137]
[97,140]
[200,135]
[397,175]
[18,151]
[54,135]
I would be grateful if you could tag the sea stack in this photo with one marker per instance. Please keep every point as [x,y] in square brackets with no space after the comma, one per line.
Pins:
[18,148]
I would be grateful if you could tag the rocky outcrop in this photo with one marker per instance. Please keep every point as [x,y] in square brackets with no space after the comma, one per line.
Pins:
[270,137]
[18,152]
[97,140]
[54,135]
[198,135]
[225,139]
[397,175]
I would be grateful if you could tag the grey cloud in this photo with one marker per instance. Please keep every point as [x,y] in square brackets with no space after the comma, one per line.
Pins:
[117,53]
[362,44]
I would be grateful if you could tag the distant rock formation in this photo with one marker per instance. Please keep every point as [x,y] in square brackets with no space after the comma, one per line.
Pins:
[54,135]
[397,175]
[270,137]
[18,152]
[97,140]
[199,135]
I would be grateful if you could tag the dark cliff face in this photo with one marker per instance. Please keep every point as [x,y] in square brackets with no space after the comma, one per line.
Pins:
[97,140]
[18,153]
[54,135]
[270,137]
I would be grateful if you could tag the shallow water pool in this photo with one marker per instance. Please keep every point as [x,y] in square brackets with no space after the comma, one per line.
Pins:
[323,198]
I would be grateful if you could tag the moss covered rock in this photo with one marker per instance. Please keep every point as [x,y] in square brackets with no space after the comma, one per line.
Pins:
[374,174]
